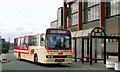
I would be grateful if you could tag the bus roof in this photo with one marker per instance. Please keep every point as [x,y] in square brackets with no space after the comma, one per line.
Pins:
[55,29]
[27,34]
[36,33]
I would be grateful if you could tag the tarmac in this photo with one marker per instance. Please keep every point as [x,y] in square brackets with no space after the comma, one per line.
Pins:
[14,64]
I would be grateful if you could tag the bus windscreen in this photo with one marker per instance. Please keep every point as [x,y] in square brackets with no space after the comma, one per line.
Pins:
[58,41]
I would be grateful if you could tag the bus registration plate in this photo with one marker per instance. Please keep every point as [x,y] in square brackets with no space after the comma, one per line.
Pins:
[59,60]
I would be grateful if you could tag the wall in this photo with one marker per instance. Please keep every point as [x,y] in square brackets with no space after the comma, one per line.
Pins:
[91,25]
[111,26]
[112,47]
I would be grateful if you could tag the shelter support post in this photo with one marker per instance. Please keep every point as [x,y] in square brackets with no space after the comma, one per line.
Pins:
[107,56]
[88,49]
[95,50]
[75,50]
[104,50]
[91,51]
[82,50]
[119,51]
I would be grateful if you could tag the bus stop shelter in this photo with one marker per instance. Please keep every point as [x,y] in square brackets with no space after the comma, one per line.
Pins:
[89,35]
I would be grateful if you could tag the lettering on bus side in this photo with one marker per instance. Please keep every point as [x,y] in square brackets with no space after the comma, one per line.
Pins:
[32,51]
[60,51]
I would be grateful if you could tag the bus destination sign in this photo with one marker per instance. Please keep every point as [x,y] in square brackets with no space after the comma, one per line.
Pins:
[59,31]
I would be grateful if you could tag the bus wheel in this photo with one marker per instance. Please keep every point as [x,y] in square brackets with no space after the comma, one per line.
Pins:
[36,59]
[19,56]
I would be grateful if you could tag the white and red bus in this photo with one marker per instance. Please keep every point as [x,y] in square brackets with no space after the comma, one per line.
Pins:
[54,46]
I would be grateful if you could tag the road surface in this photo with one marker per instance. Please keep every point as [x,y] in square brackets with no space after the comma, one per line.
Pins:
[15,64]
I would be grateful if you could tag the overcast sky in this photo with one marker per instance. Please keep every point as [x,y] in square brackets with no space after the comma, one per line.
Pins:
[18,16]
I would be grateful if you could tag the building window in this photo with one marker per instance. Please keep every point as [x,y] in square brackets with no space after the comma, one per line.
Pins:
[108,9]
[114,7]
[54,24]
[74,7]
[91,13]
[68,22]
[91,3]
[74,19]
[59,17]
[85,5]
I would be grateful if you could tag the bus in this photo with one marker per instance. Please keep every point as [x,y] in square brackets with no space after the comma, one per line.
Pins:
[52,47]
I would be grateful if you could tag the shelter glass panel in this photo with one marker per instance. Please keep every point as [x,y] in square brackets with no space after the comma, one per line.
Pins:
[98,48]
[79,48]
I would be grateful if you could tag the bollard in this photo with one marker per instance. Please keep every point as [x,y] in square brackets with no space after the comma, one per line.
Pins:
[5,57]
[117,66]
[110,64]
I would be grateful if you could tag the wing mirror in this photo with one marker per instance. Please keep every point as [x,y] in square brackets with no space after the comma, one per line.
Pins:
[42,39]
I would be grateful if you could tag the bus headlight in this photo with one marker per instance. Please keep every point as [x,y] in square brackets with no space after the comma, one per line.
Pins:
[48,56]
[69,56]
[51,56]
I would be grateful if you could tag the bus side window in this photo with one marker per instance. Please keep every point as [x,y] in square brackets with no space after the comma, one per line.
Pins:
[22,41]
[15,42]
[42,39]
[26,41]
[36,40]
[30,41]
[18,44]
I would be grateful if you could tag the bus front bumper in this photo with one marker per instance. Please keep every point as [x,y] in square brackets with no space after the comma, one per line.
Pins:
[58,60]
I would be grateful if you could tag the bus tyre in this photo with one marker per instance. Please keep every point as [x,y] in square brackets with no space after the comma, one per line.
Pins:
[19,56]
[36,59]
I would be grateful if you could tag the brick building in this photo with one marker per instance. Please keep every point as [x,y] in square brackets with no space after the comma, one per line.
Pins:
[54,24]
[79,15]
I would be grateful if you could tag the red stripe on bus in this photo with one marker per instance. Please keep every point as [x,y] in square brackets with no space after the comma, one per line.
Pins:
[21,52]
[21,47]
[16,51]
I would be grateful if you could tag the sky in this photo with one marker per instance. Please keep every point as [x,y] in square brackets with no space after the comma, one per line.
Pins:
[21,16]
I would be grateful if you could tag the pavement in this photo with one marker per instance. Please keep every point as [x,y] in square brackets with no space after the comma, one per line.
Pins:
[0,66]
[0,57]
[15,64]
